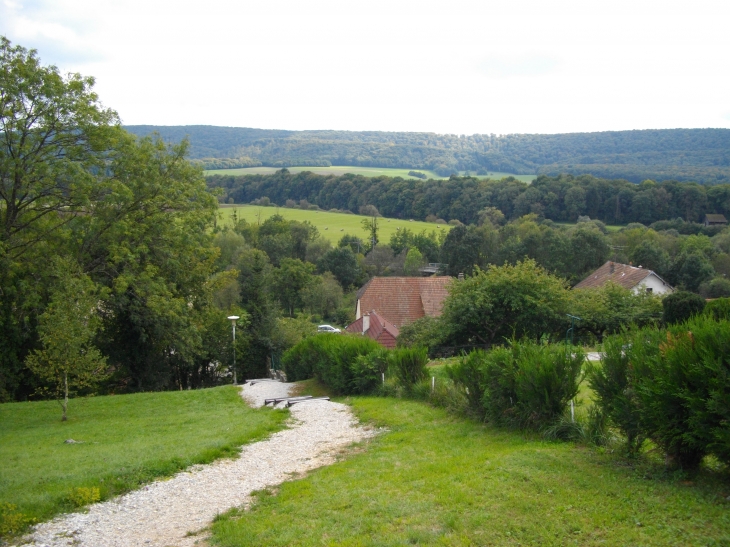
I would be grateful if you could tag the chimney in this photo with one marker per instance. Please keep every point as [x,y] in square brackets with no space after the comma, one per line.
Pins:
[613,267]
[365,323]
[461,277]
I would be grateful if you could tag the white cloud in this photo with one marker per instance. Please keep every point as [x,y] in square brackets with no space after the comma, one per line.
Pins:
[459,67]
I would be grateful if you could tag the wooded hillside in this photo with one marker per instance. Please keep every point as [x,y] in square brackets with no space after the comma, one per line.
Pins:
[700,155]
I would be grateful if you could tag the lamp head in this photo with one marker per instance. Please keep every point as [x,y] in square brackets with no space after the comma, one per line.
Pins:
[233,317]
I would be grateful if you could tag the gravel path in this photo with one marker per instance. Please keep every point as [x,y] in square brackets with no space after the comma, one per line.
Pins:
[164,512]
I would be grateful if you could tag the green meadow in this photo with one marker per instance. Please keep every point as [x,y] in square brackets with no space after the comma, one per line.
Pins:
[123,441]
[331,226]
[431,478]
[364,171]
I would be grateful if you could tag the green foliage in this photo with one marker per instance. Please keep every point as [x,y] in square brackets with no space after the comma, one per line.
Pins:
[504,301]
[12,521]
[680,306]
[524,385]
[613,385]
[408,365]
[670,386]
[425,332]
[718,309]
[333,360]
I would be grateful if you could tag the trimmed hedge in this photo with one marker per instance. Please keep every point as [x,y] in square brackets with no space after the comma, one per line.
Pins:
[334,360]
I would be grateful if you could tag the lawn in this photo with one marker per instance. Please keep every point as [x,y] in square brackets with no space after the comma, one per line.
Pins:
[365,171]
[433,479]
[126,440]
[332,226]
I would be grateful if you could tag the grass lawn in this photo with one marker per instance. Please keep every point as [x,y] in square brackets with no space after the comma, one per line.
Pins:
[433,479]
[365,171]
[331,226]
[609,227]
[127,440]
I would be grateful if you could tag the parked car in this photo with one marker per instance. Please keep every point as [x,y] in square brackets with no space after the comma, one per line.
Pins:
[328,328]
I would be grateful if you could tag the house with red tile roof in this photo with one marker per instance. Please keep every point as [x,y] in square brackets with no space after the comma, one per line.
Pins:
[375,327]
[402,300]
[630,277]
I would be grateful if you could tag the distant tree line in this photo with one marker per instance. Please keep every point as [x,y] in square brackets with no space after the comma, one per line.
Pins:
[562,198]
[702,155]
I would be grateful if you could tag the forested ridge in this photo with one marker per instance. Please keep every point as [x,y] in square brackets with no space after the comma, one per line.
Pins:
[560,198]
[700,155]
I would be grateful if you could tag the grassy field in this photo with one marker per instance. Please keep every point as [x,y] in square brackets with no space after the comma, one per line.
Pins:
[609,227]
[331,226]
[127,440]
[433,479]
[365,171]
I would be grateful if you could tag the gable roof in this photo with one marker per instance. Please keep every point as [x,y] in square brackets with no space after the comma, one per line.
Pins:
[623,274]
[381,330]
[715,218]
[402,300]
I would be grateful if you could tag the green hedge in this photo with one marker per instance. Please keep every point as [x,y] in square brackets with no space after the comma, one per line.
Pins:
[334,360]
[672,386]
[524,385]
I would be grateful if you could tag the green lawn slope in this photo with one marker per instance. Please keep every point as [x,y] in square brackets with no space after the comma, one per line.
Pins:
[127,440]
[433,479]
[332,226]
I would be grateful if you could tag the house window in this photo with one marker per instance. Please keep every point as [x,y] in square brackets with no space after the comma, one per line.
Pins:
[649,290]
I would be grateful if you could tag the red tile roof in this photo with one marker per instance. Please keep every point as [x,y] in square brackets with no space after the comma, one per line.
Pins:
[382,331]
[621,274]
[402,300]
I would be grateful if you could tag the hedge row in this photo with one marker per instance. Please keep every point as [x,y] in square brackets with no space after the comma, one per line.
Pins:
[671,386]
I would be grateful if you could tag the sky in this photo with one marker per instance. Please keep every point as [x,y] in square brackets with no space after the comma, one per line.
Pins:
[459,67]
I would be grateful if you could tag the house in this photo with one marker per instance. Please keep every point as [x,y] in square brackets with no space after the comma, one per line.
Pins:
[402,300]
[375,327]
[715,220]
[630,277]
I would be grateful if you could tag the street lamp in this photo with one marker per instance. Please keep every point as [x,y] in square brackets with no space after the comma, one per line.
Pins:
[233,319]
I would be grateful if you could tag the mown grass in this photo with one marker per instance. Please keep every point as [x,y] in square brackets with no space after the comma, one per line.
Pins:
[332,226]
[365,171]
[433,479]
[127,440]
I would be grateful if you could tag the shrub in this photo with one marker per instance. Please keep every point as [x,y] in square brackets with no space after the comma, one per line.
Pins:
[612,383]
[684,391]
[672,386]
[680,306]
[408,365]
[367,371]
[470,374]
[718,308]
[524,385]
[12,521]
[333,359]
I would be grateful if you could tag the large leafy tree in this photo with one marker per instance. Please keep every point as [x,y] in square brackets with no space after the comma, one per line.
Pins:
[504,301]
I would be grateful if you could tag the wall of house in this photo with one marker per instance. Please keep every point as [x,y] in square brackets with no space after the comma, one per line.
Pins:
[654,283]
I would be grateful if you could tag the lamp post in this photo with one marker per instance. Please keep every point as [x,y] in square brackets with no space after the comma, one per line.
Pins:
[233,319]
[573,319]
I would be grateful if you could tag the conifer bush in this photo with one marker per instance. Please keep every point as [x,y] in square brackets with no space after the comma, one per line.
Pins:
[408,365]
[671,386]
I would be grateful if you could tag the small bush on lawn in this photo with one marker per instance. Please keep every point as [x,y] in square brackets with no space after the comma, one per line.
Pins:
[672,386]
[333,360]
[612,382]
[524,385]
[680,306]
[408,365]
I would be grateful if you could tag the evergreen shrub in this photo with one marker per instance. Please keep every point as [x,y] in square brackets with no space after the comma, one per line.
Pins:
[408,365]
[680,306]
[671,386]
[333,360]
[718,308]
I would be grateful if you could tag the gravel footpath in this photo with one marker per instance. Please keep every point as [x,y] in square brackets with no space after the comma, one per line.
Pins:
[174,512]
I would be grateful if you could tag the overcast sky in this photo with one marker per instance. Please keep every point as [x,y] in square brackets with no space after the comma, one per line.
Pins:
[489,66]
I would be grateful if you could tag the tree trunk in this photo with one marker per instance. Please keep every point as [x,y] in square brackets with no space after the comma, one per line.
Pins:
[65,396]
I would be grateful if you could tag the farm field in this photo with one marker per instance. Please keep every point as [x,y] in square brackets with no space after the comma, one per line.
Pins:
[365,171]
[124,441]
[433,479]
[609,227]
[331,226]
